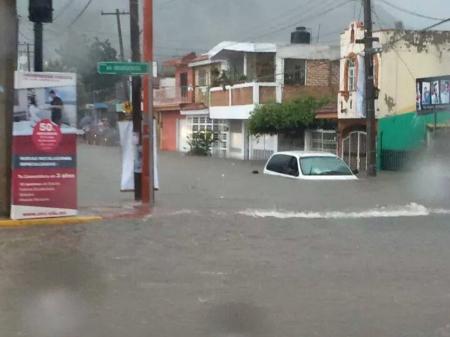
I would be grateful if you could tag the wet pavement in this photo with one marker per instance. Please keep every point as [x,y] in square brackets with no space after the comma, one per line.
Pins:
[231,253]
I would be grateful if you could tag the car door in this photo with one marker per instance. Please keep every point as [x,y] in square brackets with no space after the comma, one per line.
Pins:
[282,165]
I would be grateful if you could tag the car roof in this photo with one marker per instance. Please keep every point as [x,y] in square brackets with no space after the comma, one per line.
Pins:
[302,154]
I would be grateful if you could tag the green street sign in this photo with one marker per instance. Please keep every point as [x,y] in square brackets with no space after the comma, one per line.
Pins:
[123,68]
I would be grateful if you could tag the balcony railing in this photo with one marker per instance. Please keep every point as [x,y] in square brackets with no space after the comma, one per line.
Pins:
[171,95]
[202,95]
[243,94]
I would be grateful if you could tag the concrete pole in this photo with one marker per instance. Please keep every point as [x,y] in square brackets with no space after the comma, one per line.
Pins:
[8,59]
[148,194]
[38,47]
[136,89]
[370,97]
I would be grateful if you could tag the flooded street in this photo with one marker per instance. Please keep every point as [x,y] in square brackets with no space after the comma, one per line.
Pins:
[225,259]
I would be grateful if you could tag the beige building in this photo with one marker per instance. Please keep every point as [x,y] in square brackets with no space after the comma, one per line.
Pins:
[400,58]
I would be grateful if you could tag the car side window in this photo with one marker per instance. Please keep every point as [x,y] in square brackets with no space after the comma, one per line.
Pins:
[276,163]
[292,167]
[284,164]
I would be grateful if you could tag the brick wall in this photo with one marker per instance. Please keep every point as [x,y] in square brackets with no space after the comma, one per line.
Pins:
[335,73]
[291,92]
[242,96]
[267,95]
[219,98]
[318,73]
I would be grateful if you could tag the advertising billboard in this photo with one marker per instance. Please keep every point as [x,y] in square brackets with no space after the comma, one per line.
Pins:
[44,180]
[432,93]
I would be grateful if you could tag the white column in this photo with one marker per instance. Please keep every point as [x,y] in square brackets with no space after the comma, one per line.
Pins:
[279,78]
[245,64]
[255,93]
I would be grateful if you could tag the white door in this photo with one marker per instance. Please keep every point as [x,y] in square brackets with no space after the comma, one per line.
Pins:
[183,134]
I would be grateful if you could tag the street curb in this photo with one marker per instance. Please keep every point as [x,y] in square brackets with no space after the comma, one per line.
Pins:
[73,220]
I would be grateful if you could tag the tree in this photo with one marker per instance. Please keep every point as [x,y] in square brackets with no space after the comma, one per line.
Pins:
[201,143]
[290,117]
[81,55]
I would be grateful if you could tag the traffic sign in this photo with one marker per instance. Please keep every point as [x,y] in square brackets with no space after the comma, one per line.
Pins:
[123,68]
[127,107]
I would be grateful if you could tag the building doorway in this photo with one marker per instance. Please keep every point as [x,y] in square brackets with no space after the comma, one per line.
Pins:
[354,148]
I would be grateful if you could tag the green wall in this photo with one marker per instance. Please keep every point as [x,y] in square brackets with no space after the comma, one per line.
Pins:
[407,131]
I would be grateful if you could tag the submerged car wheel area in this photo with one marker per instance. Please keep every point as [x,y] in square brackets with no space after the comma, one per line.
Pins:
[308,166]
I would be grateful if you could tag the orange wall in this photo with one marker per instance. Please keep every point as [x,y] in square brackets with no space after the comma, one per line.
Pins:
[169,130]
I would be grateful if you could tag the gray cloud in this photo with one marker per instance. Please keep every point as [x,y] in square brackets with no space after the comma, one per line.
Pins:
[184,25]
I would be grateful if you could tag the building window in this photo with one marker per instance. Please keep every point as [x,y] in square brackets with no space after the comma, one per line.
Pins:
[295,72]
[202,78]
[218,127]
[184,84]
[351,75]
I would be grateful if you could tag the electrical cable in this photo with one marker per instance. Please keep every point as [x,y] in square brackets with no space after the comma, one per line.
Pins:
[66,6]
[80,14]
[408,11]
[341,4]
[305,9]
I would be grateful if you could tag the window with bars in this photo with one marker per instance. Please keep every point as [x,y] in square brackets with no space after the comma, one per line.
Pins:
[295,72]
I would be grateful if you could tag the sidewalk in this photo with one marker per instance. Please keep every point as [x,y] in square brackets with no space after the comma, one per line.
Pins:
[99,196]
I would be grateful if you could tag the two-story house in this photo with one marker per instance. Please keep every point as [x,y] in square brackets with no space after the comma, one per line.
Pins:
[400,58]
[226,84]
[261,73]
[169,100]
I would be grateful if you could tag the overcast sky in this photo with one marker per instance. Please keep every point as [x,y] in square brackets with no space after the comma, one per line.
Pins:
[197,25]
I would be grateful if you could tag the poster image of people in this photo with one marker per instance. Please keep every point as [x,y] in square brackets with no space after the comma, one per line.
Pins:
[445,91]
[41,96]
[426,95]
[418,97]
[432,94]
[435,96]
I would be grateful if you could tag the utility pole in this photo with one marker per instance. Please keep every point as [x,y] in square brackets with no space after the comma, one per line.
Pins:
[38,47]
[8,59]
[27,52]
[40,11]
[118,13]
[370,92]
[148,191]
[136,96]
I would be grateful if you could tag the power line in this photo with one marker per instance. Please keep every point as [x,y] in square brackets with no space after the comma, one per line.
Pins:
[80,14]
[343,3]
[290,13]
[24,36]
[283,19]
[64,9]
[436,24]
[408,11]
[360,12]
[391,43]
[396,51]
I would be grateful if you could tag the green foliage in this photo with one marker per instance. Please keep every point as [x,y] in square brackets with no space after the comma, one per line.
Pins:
[80,55]
[201,143]
[286,117]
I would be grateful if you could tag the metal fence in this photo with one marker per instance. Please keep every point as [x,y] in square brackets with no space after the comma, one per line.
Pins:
[324,141]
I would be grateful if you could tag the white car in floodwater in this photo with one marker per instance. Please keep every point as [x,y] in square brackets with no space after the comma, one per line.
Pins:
[308,166]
